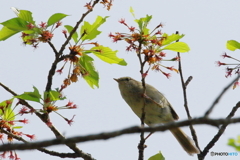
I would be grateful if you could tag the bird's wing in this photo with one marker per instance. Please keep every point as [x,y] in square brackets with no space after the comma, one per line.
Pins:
[174,114]
[165,102]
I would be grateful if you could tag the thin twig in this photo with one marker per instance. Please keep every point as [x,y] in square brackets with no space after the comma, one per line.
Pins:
[220,132]
[184,86]
[53,47]
[108,135]
[188,81]
[51,74]
[141,145]
[220,96]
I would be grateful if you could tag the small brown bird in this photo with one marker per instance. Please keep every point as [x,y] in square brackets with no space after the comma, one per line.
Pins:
[157,109]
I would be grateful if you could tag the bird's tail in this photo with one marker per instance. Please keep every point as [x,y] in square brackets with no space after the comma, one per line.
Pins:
[186,142]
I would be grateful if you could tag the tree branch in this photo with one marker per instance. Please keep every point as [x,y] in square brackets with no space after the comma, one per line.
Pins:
[188,81]
[53,129]
[220,132]
[52,153]
[184,86]
[220,96]
[108,135]
[141,145]
[53,47]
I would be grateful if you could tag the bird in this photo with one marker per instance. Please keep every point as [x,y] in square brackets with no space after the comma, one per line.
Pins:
[157,110]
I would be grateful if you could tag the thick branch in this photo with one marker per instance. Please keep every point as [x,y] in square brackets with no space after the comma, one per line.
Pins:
[108,135]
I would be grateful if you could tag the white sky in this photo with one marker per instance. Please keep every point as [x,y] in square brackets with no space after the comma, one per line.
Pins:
[207,26]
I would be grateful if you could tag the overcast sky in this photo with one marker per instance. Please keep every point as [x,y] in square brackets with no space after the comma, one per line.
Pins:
[207,26]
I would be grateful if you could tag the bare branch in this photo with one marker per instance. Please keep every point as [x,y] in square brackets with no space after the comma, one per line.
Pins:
[188,81]
[184,86]
[8,89]
[220,132]
[52,153]
[53,47]
[141,145]
[108,135]
[220,96]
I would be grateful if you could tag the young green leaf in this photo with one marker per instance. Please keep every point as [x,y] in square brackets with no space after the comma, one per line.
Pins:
[31,96]
[171,38]
[142,24]
[55,18]
[234,143]
[91,75]
[132,11]
[157,156]
[75,35]
[26,16]
[5,33]
[7,112]
[31,33]
[16,24]
[52,95]
[177,47]
[232,45]
[88,31]
[106,54]
[17,127]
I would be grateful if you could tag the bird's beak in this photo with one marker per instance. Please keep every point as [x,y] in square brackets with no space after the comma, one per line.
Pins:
[116,79]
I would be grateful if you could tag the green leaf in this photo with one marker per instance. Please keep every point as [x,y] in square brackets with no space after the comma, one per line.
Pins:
[171,38]
[90,74]
[55,18]
[157,156]
[17,127]
[232,45]
[177,47]
[52,95]
[88,31]
[75,35]
[31,35]
[16,24]
[7,112]
[106,54]
[26,16]
[5,33]
[31,96]
[238,139]
[142,24]
[132,11]
[234,143]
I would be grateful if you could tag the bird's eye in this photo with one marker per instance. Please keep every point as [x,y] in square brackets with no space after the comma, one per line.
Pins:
[127,79]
